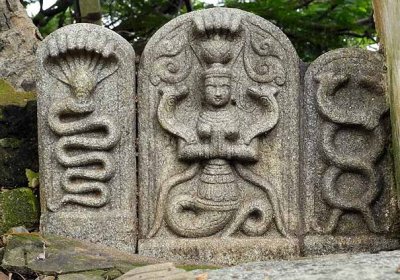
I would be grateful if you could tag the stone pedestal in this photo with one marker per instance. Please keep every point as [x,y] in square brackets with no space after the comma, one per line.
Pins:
[224,251]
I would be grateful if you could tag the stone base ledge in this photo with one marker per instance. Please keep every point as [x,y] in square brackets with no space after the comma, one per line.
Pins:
[112,228]
[328,244]
[228,251]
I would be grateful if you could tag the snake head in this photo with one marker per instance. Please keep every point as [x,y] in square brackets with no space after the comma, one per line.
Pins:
[266,96]
[178,92]
[331,81]
[82,84]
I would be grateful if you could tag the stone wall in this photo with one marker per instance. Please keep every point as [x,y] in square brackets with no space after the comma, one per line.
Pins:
[243,153]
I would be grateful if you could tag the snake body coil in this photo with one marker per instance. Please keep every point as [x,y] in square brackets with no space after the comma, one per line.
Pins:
[87,171]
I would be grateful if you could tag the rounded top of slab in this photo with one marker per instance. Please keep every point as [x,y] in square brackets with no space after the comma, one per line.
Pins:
[210,16]
[84,36]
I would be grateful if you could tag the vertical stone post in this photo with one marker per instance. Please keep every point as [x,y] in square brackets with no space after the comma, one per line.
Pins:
[347,178]
[387,19]
[86,119]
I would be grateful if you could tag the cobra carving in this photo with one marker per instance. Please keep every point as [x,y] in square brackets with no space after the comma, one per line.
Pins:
[85,137]
[219,146]
[337,119]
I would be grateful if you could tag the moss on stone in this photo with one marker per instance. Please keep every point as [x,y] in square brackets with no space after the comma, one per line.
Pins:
[112,274]
[18,207]
[12,143]
[9,96]
[194,267]
[18,136]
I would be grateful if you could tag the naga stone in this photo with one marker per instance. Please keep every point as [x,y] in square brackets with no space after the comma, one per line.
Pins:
[348,183]
[86,119]
[218,129]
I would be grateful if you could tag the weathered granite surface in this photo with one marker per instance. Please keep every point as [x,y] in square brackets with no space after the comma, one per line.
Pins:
[364,266]
[86,114]
[36,254]
[244,154]
[350,201]
[218,131]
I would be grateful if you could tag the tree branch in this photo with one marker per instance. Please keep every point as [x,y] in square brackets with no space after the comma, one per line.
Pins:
[305,4]
[44,16]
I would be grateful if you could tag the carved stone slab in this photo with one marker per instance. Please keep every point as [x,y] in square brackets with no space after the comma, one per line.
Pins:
[86,115]
[348,183]
[218,153]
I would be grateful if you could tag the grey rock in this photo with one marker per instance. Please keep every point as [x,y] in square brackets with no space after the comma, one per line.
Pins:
[16,230]
[86,122]
[80,276]
[157,271]
[218,131]
[54,255]
[348,182]
[19,39]
[334,267]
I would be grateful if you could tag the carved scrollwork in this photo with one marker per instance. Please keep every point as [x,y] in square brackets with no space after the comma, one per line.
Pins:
[173,63]
[262,62]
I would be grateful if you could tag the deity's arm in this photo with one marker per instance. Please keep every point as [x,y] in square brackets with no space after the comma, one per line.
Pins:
[245,152]
[170,97]
[270,114]
[193,151]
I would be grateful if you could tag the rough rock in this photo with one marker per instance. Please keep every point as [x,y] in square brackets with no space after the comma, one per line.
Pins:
[332,267]
[55,255]
[18,43]
[18,131]
[158,271]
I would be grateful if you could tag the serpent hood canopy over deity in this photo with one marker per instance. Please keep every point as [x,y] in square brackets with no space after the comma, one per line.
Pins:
[214,87]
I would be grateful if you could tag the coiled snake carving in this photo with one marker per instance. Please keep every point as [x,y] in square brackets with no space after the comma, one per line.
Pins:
[86,138]
[340,163]
[84,185]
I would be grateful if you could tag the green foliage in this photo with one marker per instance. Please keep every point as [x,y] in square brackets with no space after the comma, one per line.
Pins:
[137,20]
[56,22]
[313,26]
[317,26]
[33,178]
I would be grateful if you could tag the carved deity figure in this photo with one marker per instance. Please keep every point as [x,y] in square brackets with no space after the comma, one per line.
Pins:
[218,147]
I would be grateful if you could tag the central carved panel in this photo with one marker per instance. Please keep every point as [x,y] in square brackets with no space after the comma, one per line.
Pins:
[217,138]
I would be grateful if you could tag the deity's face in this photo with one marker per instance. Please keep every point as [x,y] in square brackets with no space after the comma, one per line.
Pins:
[217,91]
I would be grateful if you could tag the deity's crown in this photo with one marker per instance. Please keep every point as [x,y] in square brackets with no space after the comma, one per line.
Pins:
[217,70]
